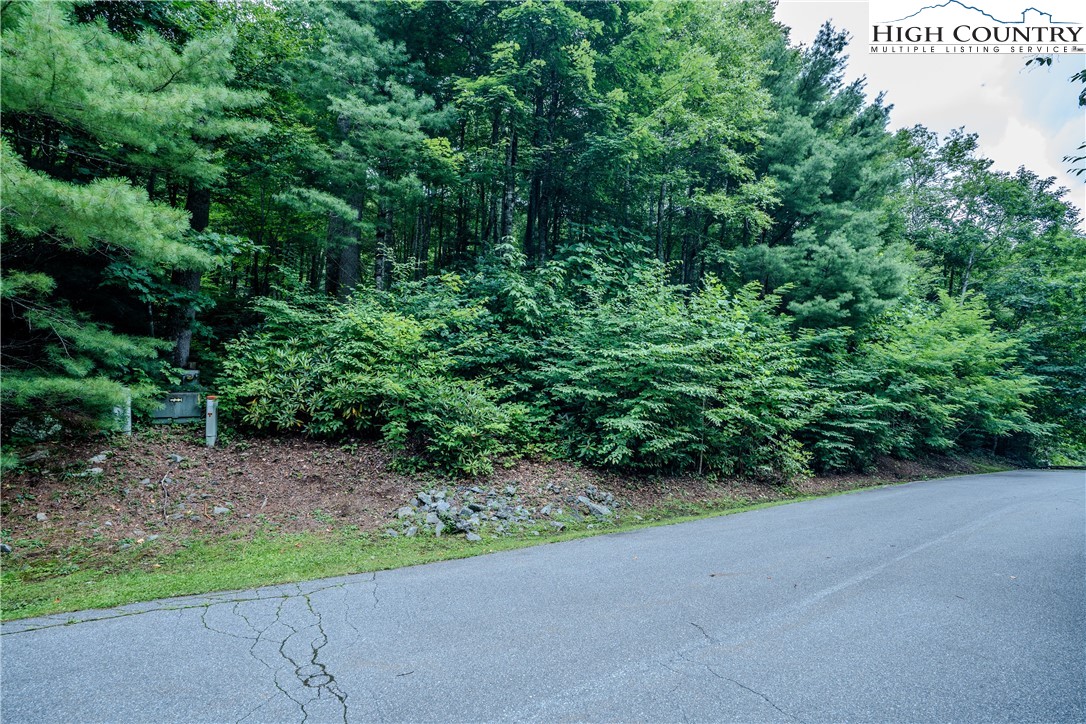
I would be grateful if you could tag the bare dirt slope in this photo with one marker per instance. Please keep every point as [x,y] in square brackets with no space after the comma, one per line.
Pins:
[163,485]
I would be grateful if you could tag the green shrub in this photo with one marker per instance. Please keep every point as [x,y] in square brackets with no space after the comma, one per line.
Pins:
[927,378]
[362,368]
[649,379]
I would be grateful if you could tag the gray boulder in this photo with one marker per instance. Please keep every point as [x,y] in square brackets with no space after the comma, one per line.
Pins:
[600,511]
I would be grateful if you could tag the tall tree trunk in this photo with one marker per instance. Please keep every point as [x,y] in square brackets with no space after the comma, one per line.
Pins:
[968,271]
[509,187]
[349,268]
[334,239]
[660,253]
[530,235]
[198,204]
[460,242]
[422,246]
[382,263]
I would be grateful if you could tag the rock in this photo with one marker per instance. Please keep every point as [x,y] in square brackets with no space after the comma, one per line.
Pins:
[174,458]
[465,512]
[391,533]
[476,490]
[442,507]
[439,495]
[137,533]
[220,510]
[431,518]
[495,504]
[5,548]
[36,456]
[510,490]
[152,537]
[93,471]
[123,546]
[476,507]
[558,525]
[405,512]
[412,531]
[99,458]
[504,514]
[425,499]
[474,537]
[535,532]
[600,511]
[41,517]
[108,524]
[167,481]
[545,510]
[438,527]
[175,516]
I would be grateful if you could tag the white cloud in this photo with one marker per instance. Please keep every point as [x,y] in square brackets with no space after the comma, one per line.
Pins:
[1023,116]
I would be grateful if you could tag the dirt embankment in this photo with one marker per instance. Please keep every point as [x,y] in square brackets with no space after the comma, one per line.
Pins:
[163,486]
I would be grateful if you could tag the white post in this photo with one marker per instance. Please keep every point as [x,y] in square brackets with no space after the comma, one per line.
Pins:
[211,424]
[123,415]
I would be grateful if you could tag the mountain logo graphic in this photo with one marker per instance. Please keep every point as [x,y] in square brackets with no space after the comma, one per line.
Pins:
[1044,16]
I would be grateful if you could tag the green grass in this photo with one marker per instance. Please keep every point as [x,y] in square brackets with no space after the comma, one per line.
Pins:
[208,565]
[211,565]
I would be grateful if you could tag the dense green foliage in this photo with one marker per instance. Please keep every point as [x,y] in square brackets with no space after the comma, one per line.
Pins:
[644,235]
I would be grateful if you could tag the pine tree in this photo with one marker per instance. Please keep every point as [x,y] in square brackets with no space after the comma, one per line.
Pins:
[92,124]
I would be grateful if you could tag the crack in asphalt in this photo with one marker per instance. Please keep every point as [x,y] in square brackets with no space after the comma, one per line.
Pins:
[311,681]
[671,692]
[277,645]
[703,631]
[759,694]
[109,615]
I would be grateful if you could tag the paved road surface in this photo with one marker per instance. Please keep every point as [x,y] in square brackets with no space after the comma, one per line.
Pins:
[955,600]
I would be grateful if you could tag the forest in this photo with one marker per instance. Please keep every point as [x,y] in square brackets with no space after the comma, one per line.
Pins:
[642,235]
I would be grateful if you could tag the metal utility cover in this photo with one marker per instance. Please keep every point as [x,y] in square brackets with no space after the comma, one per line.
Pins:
[179,407]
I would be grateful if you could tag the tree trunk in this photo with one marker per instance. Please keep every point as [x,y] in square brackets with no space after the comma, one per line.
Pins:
[198,204]
[333,242]
[966,273]
[508,188]
[382,263]
[660,253]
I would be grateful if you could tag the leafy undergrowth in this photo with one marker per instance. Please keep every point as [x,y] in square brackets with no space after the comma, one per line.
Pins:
[164,516]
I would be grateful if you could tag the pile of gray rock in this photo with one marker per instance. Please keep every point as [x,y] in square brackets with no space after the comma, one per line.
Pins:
[475,511]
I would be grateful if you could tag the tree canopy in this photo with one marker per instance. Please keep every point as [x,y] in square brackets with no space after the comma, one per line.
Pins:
[644,235]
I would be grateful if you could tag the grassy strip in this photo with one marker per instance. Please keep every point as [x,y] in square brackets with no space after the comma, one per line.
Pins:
[209,565]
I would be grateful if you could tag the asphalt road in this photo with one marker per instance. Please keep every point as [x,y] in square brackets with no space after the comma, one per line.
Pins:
[954,600]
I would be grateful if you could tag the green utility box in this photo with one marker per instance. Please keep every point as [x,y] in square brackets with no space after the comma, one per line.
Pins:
[179,407]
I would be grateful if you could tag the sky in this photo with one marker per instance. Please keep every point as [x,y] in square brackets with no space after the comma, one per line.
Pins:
[1024,116]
